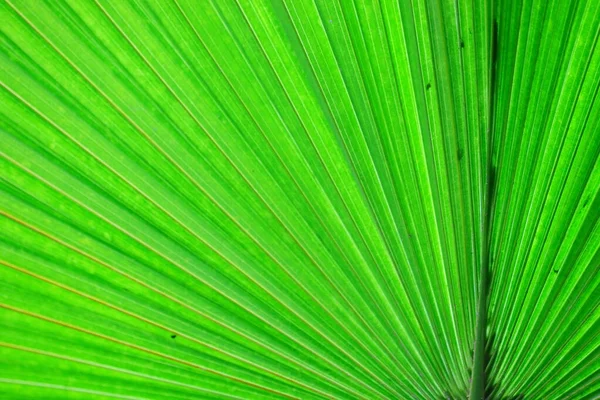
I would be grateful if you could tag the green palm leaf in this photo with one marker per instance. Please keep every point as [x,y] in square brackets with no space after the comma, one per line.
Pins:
[305,199]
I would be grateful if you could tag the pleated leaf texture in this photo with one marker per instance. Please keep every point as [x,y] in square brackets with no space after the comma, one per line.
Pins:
[300,199]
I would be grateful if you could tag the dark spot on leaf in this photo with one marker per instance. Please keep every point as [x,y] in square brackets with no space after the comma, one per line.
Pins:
[555,271]
[428,86]
[460,154]
[495,42]
[585,202]
[173,336]
[462,44]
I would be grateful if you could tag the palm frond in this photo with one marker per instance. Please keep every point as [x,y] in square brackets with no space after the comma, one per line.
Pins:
[299,199]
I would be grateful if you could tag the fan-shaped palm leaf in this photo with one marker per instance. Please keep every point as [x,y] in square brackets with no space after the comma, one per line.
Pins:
[303,199]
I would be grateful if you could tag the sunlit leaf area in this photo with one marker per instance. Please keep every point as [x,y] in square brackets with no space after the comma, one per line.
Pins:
[300,199]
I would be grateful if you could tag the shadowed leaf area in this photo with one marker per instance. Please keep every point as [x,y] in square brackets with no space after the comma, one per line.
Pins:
[299,199]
